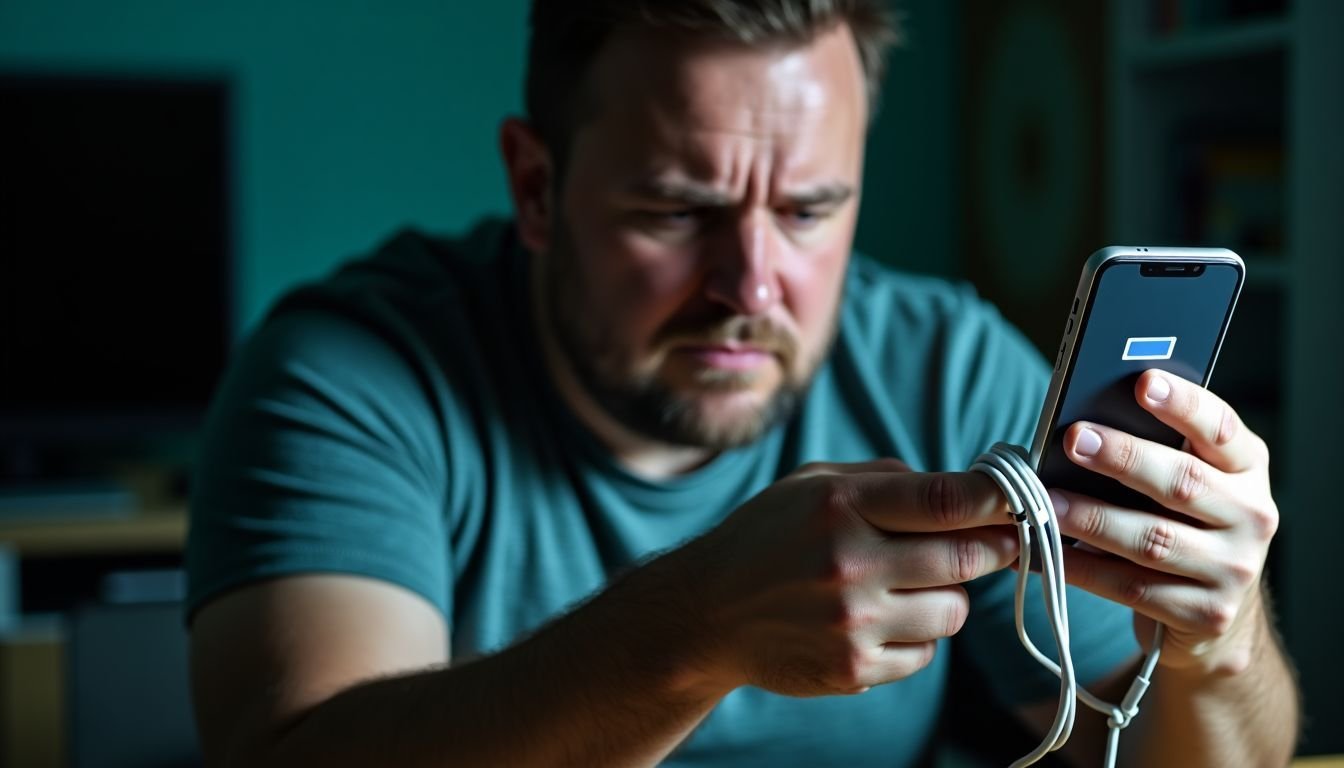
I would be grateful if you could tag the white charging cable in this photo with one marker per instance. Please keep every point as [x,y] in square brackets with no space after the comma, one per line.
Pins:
[1008,467]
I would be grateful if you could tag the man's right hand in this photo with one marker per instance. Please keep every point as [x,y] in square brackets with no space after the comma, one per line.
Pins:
[843,576]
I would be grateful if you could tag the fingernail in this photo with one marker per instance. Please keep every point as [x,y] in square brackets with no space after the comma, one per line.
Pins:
[1060,504]
[1158,389]
[1088,442]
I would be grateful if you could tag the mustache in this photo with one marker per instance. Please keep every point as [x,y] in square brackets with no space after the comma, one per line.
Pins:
[759,331]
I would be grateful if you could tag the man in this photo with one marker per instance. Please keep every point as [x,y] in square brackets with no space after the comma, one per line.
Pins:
[598,486]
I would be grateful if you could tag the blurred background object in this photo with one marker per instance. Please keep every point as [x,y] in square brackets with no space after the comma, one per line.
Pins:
[115,286]
[168,169]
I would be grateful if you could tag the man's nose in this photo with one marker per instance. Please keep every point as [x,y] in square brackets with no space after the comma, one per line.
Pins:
[742,273]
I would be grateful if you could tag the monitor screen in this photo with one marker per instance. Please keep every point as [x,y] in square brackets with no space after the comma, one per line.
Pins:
[115,244]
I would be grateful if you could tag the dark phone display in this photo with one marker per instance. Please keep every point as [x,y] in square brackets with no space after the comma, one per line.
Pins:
[1127,311]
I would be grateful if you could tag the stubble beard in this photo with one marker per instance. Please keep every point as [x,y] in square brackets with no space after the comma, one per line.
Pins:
[642,403]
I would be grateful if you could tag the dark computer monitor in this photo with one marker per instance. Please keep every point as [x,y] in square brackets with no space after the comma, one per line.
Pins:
[115,259]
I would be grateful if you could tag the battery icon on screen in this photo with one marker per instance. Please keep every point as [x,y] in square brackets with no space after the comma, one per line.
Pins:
[1149,347]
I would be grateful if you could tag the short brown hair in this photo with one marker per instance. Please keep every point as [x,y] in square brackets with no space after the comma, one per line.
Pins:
[567,34]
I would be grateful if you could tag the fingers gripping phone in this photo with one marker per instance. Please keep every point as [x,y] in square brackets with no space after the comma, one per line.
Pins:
[1135,309]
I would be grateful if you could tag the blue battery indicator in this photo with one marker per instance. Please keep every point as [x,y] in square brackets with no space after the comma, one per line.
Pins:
[1149,347]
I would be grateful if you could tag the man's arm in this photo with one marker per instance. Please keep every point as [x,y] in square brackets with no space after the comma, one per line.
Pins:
[831,581]
[338,670]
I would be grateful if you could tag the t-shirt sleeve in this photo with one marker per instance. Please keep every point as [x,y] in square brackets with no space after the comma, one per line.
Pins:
[321,454]
[998,396]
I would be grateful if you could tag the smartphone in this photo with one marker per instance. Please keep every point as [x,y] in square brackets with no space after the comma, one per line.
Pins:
[1136,308]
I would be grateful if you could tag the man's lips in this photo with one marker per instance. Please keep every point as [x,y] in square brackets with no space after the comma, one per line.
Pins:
[733,357]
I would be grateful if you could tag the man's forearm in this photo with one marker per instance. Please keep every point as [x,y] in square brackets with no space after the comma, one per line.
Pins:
[612,683]
[1248,717]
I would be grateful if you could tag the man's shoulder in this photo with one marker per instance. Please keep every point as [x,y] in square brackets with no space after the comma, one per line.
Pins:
[413,267]
[423,296]
[419,309]
[884,303]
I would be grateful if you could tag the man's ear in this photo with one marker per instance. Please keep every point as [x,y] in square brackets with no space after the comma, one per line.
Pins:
[531,176]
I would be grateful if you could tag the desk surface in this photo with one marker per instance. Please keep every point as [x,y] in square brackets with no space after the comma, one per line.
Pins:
[153,531]
[1319,761]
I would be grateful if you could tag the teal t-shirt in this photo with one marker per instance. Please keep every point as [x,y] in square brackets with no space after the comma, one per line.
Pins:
[396,421]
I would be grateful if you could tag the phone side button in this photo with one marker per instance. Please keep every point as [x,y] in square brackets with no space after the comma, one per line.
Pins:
[1069,327]
[1060,359]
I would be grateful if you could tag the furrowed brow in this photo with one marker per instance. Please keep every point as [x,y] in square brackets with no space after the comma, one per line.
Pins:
[827,194]
[686,192]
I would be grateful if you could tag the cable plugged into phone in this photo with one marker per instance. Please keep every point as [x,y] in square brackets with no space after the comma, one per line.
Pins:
[1007,466]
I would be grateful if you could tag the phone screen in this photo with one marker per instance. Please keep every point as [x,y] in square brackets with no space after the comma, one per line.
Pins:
[1139,315]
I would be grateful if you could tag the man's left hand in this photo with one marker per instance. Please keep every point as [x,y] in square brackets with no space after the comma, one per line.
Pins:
[1198,575]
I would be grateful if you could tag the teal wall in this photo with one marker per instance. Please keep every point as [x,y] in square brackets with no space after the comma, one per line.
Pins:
[353,118]
[356,118]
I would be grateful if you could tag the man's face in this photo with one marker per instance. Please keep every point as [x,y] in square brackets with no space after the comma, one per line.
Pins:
[702,230]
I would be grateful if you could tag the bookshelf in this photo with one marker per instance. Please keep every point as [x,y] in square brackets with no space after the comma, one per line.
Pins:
[1224,119]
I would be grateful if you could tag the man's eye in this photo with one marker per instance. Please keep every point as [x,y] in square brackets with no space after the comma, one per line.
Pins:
[803,218]
[670,217]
